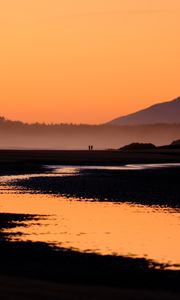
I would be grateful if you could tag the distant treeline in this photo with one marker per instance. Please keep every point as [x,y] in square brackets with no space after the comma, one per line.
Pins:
[16,134]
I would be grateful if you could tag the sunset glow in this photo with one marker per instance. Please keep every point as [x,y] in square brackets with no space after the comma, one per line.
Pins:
[87,61]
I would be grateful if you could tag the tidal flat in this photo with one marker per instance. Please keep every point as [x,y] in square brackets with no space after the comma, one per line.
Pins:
[115,225]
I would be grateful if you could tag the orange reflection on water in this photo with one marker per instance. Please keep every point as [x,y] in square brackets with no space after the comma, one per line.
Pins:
[106,228]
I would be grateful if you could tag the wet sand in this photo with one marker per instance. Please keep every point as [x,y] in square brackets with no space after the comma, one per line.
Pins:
[21,289]
[41,262]
[37,260]
[150,187]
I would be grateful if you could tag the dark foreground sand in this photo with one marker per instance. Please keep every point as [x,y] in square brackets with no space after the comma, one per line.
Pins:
[12,288]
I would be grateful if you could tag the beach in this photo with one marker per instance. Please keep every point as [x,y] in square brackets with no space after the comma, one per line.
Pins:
[20,289]
[47,270]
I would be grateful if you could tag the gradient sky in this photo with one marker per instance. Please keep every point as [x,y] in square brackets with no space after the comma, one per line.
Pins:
[87,61]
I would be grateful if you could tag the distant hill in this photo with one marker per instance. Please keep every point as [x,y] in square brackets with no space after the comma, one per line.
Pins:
[174,145]
[162,113]
[138,146]
[149,146]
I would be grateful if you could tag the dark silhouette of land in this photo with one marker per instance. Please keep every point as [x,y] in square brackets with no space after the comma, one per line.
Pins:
[11,288]
[138,146]
[148,146]
[176,143]
[173,145]
[161,113]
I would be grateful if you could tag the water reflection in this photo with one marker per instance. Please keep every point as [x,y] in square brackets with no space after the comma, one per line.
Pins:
[67,170]
[106,228]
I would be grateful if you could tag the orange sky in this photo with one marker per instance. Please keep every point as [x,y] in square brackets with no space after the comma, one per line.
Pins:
[87,61]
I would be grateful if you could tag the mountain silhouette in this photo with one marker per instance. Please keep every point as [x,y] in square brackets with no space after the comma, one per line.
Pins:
[161,113]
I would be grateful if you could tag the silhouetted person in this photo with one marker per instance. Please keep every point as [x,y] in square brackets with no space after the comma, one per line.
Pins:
[89,148]
[92,147]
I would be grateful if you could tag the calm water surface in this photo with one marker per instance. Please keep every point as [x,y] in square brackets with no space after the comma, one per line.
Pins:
[106,228]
